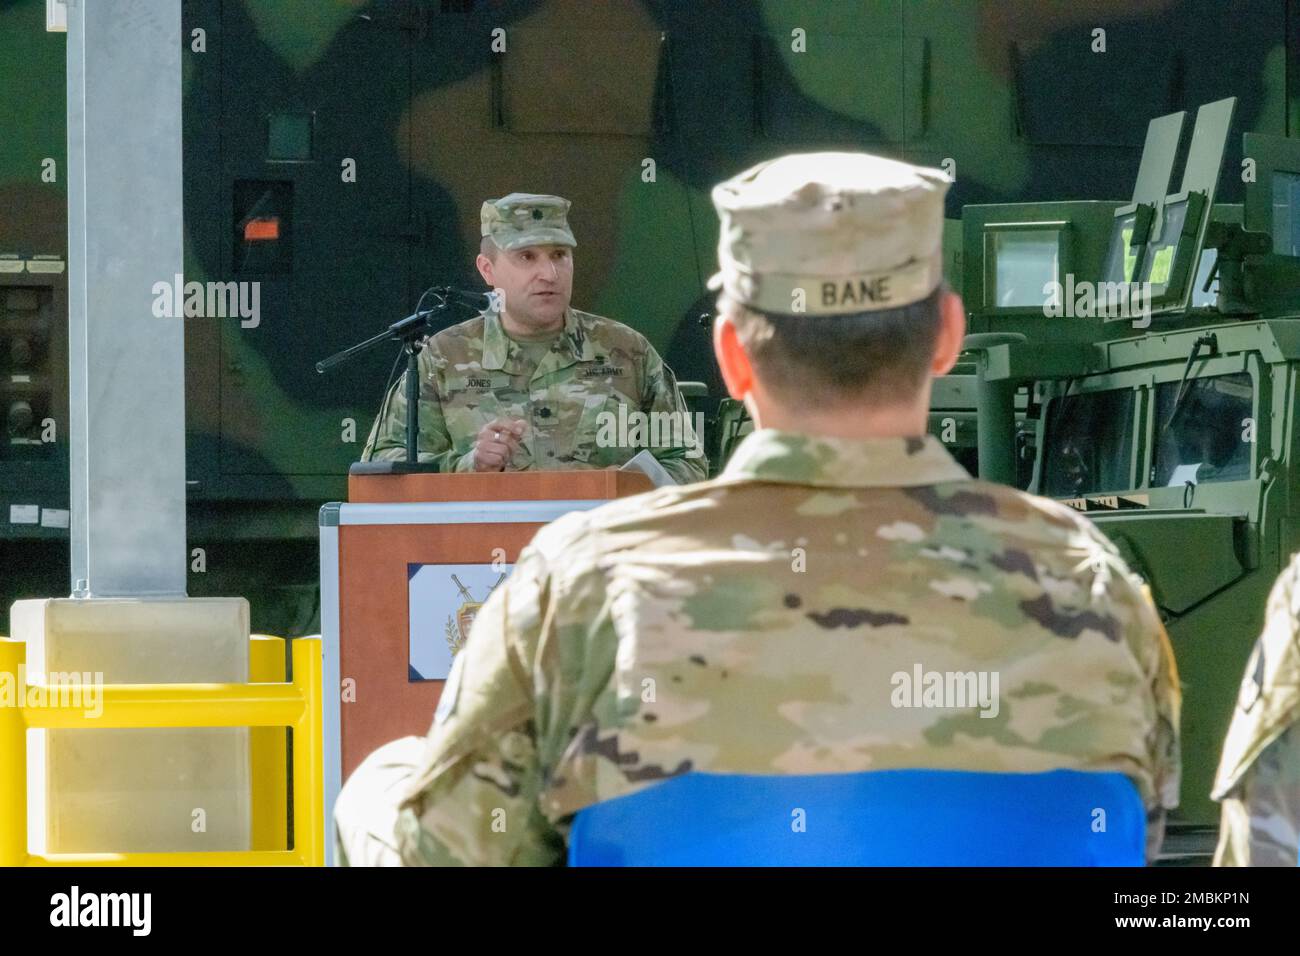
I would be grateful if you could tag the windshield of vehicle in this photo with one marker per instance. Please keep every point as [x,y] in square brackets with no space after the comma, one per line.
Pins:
[1089,444]
[1209,438]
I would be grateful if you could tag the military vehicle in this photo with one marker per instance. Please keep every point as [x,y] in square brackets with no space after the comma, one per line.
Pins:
[1170,424]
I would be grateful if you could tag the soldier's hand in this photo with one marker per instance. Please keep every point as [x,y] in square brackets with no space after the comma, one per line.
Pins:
[496,443]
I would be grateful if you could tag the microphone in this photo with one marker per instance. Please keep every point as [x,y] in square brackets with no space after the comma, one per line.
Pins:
[478,300]
[418,320]
[417,325]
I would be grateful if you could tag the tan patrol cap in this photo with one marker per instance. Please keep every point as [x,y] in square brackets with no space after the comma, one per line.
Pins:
[837,233]
[527,219]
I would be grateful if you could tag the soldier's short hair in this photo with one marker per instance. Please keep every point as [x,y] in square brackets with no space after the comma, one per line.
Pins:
[809,361]
[489,248]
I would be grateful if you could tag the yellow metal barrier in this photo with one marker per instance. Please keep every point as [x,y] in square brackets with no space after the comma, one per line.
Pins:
[273,705]
[268,753]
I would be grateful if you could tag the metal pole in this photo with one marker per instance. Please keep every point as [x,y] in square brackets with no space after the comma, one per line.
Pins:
[995,407]
[995,436]
[412,401]
[127,408]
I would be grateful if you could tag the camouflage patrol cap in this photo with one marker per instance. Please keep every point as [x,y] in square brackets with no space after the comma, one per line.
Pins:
[527,219]
[835,233]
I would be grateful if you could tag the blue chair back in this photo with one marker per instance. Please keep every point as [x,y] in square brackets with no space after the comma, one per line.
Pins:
[874,818]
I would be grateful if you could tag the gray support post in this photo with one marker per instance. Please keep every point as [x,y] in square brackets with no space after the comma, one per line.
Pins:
[127,408]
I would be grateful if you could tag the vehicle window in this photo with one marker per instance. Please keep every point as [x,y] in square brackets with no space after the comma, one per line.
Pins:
[1024,261]
[1208,437]
[1089,444]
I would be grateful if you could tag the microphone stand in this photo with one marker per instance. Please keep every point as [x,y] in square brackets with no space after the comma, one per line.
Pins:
[408,331]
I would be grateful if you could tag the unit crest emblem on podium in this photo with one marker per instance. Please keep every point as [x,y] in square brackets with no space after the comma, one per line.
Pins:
[458,625]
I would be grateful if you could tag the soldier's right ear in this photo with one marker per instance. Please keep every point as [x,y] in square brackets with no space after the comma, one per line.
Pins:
[951,331]
[484,266]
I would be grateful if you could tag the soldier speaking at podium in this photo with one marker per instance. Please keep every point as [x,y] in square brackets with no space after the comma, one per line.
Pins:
[531,382]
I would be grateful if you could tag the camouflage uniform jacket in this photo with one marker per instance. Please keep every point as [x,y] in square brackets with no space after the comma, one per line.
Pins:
[1259,772]
[473,372]
[754,624]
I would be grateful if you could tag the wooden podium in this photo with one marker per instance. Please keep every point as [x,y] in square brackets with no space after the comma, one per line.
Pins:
[405,546]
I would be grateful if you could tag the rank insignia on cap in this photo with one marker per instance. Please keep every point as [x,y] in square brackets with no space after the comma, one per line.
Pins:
[527,219]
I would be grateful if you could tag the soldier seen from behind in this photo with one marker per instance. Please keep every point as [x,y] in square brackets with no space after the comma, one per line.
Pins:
[1258,780]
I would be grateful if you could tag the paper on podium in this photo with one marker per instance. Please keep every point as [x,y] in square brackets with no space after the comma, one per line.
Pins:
[649,466]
